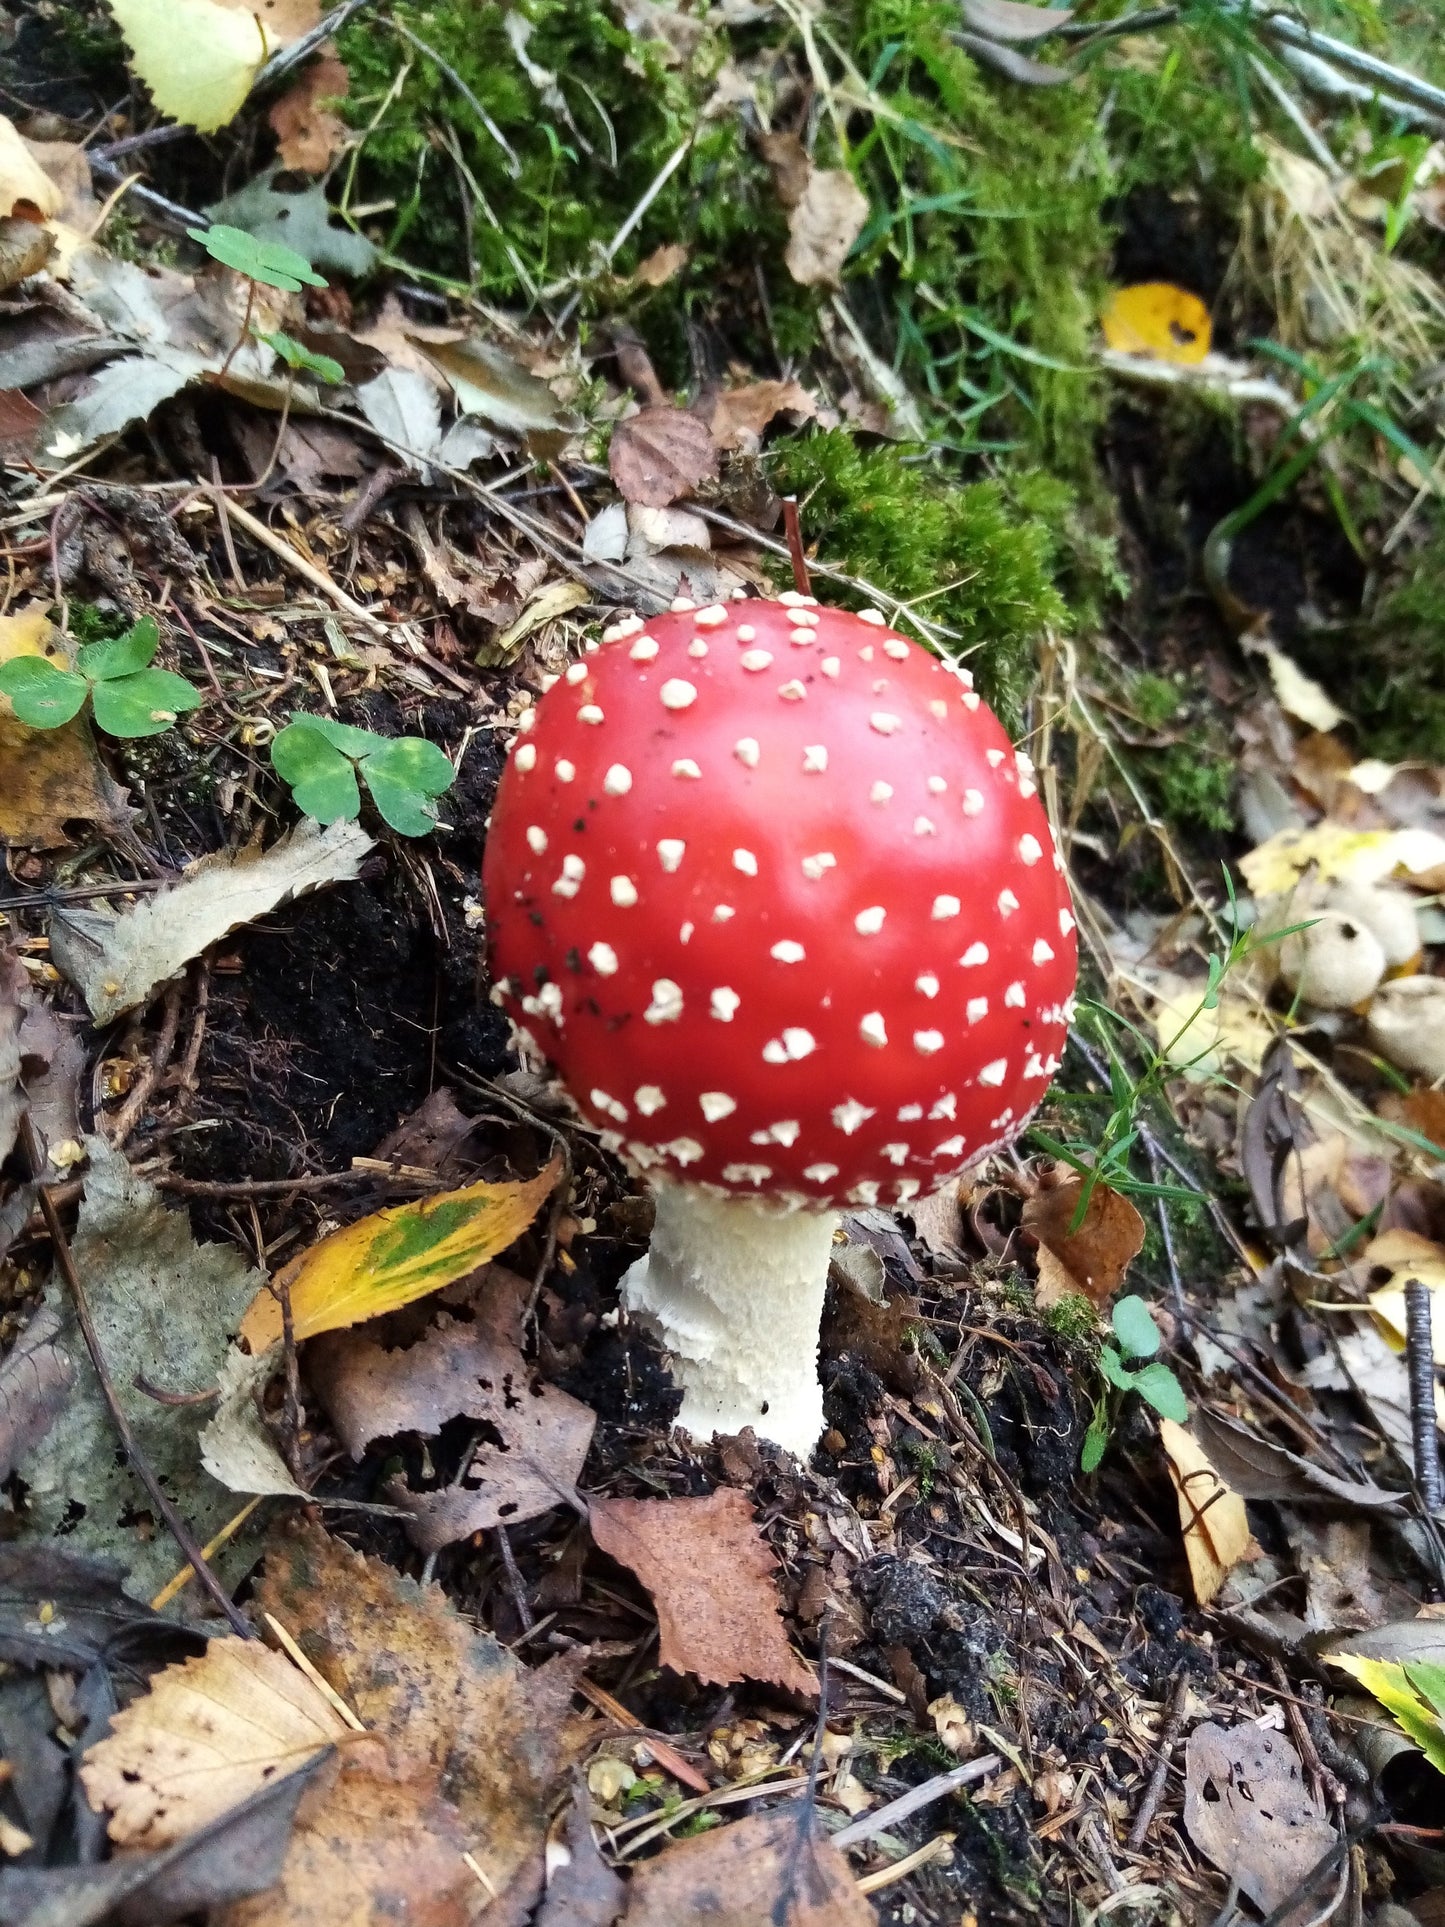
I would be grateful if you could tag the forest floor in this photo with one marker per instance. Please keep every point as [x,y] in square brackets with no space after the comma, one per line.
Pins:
[1103,354]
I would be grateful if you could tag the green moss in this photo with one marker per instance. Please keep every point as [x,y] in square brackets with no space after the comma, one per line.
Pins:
[1155,700]
[1194,784]
[888,515]
[520,223]
[1073,1321]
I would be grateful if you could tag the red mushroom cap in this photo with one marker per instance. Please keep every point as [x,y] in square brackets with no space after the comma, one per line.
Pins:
[770,887]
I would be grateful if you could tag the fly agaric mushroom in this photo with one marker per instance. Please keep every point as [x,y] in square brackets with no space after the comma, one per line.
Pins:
[770,887]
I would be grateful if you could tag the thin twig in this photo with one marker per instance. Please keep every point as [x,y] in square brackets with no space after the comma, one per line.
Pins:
[870,1825]
[797,555]
[1154,1792]
[129,1115]
[280,1187]
[65,1264]
[1420,1359]
[514,166]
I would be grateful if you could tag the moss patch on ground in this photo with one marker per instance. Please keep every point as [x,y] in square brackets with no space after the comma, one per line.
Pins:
[973,560]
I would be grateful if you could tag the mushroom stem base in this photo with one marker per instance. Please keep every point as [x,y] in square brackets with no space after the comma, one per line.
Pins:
[733,1289]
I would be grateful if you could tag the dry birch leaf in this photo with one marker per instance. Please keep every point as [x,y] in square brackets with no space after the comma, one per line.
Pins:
[660,454]
[710,1574]
[209,1733]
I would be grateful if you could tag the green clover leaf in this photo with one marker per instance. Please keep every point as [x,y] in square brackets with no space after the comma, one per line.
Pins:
[143,704]
[42,696]
[270,262]
[103,661]
[305,360]
[320,777]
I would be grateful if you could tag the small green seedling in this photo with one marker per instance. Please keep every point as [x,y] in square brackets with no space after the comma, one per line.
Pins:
[301,359]
[324,764]
[127,697]
[1153,1380]
[271,263]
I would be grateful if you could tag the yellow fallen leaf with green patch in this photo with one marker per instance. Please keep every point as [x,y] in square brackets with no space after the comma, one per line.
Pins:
[1156,318]
[1406,1255]
[1331,851]
[48,777]
[385,1261]
[198,59]
[1413,1692]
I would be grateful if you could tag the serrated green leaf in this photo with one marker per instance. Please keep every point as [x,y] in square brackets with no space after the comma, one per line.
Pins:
[321,780]
[1428,1680]
[1096,1439]
[1112,1366]
[145,704]
[1391,1686]
[270,262]
[104,661]
[412,762]
[346,737]
[305,360]
[1135,1328]
[1157,1386]
[408,811]
[42,696]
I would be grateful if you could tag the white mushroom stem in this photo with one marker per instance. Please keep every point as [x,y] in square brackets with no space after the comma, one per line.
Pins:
[733,1289]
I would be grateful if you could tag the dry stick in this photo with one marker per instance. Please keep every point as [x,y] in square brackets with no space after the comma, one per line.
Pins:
[907,1804]
[1154,1792]
[278,1187]
[796,553]
[294,560]
[1327,1784]
[65,1264]
[129,1114]
[666,1756]
[1420,1359]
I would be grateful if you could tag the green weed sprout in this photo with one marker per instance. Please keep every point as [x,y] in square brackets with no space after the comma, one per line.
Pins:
[300,359]
[127,697]
[324,764]
[1153,1380]
[269,264]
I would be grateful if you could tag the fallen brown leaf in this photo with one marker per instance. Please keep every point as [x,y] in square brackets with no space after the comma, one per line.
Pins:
[210,1732]
[49,778]
[664,264]
[823,227]
[788,162]
[308,133]
[755,1873]
[537,1436]
[741,414]
[1092,1260]
[1216,1531]
[475,1747]
[710,1574]
[660,454]
[20,424]
[1248,1810]
[25,248]
[35,1382]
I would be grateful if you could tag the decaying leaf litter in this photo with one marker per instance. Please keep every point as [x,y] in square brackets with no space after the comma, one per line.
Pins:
[1104,359]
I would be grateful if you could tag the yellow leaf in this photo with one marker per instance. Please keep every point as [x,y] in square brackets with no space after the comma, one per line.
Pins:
[209,1733]
[1156,318]
[1331,851]
[1216,1531]
[396,1255]
[1201,1042]
[21,176]
[198,59]
[1406,1255]
[1391,1686]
